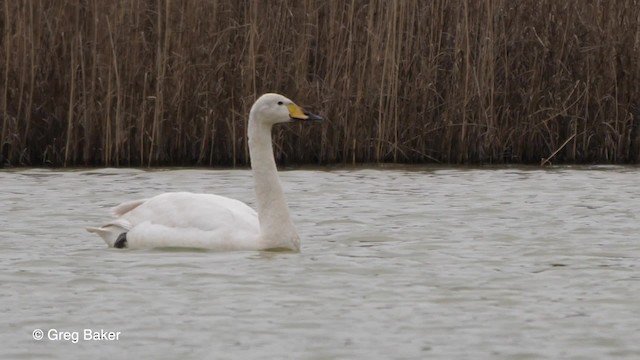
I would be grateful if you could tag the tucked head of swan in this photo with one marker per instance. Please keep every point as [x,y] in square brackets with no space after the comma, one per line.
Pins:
[275,108]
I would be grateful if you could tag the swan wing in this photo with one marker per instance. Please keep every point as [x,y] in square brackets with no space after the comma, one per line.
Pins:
[125,207]
[184,220]
[152,235]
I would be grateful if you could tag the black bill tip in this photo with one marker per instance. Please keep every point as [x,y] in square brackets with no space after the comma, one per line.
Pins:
[313,117]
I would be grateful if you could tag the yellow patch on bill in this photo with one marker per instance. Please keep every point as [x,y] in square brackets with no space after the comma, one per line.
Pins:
[296,112]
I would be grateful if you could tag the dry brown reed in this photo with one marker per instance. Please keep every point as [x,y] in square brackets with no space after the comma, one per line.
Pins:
[157,82]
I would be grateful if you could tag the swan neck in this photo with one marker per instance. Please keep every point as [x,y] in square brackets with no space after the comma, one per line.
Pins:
[276,227]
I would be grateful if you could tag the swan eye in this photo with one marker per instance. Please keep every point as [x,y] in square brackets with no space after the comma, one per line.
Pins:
[280,103]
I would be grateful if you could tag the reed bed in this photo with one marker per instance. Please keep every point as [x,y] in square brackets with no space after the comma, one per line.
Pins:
[168,82]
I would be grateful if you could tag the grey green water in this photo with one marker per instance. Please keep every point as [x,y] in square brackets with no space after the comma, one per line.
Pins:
[402,263]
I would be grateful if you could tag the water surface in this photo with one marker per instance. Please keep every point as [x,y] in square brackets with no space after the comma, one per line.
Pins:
[508,263]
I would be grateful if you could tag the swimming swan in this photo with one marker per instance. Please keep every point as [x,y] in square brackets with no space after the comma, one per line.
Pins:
[183,219]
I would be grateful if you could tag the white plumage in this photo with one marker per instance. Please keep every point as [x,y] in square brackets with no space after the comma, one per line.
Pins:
[209,221]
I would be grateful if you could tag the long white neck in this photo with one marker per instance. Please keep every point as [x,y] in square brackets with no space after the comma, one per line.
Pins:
[276,226]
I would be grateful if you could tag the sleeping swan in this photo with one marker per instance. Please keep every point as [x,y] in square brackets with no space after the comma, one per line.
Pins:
[183,219]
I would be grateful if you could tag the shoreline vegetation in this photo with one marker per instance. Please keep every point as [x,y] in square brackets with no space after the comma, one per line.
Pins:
[170,83]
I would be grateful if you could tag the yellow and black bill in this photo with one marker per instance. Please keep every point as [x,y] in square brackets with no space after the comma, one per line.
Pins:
[297,113]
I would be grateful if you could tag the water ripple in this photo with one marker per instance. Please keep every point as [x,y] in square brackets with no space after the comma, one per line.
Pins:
[503,263]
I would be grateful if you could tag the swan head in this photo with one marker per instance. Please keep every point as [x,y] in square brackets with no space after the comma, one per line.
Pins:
[272,109]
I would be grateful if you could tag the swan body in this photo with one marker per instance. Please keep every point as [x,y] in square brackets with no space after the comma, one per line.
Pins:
[183,219]
[179,219]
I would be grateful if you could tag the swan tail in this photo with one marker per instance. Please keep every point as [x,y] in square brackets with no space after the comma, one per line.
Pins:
[125,207]
[111,231]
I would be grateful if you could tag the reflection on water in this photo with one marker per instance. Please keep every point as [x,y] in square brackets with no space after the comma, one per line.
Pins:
[504,263]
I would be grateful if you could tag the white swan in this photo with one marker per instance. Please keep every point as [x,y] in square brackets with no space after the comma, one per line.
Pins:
[208,221]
